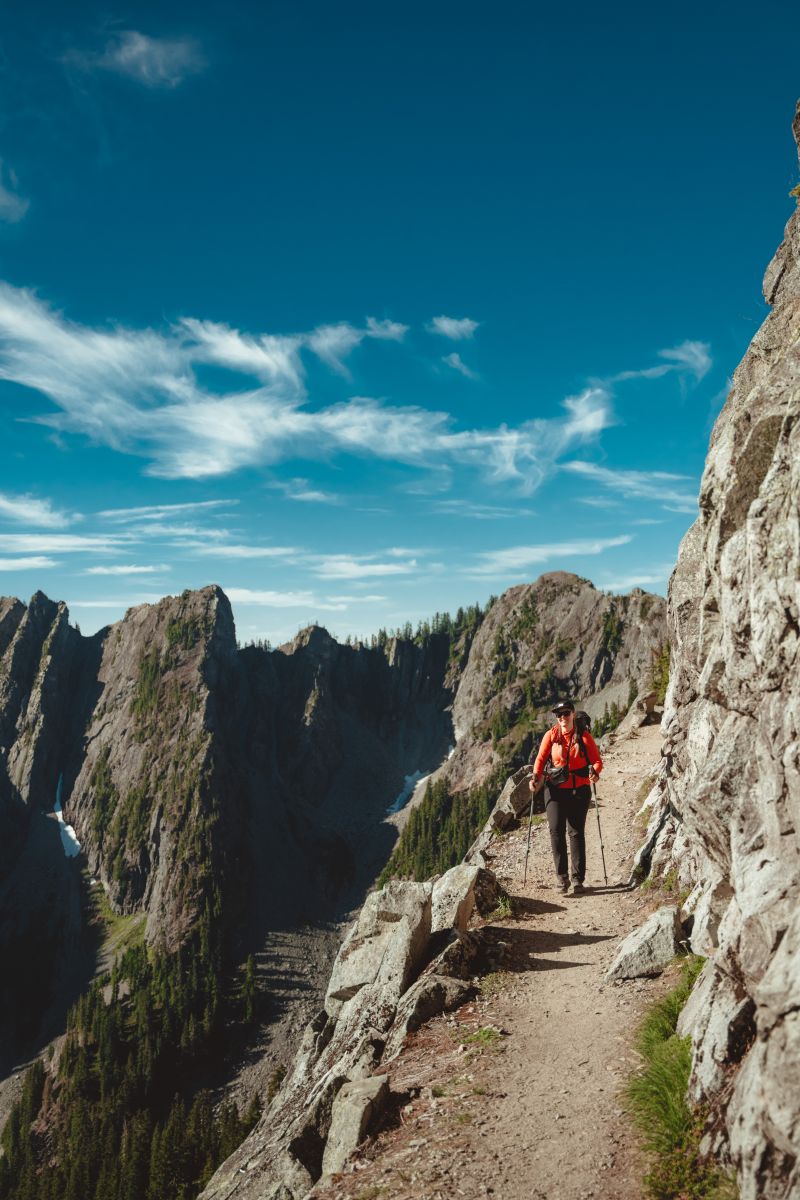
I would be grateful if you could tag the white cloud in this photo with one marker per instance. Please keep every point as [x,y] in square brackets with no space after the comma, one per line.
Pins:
[154,62]
[35,563]
[520,558]
[693,358]
[13,206]
[137,393]
[333,343]
[274,359]
[239,551]
[348,566]
[458,329]
[391,331]
[457,363]
[480,512]
[598,501]
[125,569]
[157,512]
[116,604]
[60,543]
[299,489]
[369,599]
[269,599]
[32,511]
[638,485]
[645,578]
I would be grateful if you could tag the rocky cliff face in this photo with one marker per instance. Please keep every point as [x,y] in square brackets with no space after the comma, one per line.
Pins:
[194,772]
[556,637]
[726,812]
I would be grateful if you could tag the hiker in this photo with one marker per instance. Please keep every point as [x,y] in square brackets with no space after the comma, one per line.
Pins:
[568,759]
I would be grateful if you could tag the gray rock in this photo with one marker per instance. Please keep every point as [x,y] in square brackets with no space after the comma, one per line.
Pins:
[649,949]
[429,996]
[453,898]
[731,777]
[386,943]
[354,1110]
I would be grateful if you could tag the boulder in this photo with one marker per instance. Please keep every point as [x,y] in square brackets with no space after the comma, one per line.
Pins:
[461,891]
[649,949]
[453,898]
[387,941]
[354,1110]
[429,996]
[514,800]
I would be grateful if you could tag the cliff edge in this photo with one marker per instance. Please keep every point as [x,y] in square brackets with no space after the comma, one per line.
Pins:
[726,810]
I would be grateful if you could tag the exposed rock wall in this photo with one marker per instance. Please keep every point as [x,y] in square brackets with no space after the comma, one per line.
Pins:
[540,641]
[728,800]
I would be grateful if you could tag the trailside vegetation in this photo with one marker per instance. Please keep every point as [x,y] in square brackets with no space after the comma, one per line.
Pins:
[123,1121]
[671,1130]
[659,673]
[441,829]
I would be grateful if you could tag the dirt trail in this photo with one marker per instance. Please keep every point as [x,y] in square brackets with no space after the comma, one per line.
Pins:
[531,1112]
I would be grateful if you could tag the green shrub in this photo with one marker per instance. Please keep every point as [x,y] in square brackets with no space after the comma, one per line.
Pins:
[659,672]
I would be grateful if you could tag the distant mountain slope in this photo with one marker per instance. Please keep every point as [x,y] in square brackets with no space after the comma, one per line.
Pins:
[557,637]
[220,793]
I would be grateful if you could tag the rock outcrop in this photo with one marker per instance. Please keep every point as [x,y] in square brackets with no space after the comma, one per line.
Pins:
[558,636]
[725,813]
[390,975]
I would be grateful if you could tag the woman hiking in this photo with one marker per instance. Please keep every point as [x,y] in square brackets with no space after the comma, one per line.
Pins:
[568,760]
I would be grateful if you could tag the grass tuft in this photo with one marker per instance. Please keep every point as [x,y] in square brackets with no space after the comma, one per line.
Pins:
[671,1131]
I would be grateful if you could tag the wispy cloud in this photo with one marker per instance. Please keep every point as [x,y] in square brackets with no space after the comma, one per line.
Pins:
[333,343]
[152,61]
[269,599]
[521,558]
[31,510]
[137,392]
[692,358]
[385,330]
[457,363]
[34,563]
[243,551]
[350,599]
[638,485]
[127,569]
[349,566]
[479,512]
[300,489]
[598,501]
[458,329]
[60,543]
[160,512]
[13,206]
[116,603]
[643,578]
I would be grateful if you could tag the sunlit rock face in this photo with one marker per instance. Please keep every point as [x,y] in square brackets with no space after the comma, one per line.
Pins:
[732,751]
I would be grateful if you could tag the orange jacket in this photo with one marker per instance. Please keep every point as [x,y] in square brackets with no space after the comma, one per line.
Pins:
[555,746]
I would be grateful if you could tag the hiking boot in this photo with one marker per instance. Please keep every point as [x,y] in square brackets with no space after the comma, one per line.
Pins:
[577,888]
[562,886]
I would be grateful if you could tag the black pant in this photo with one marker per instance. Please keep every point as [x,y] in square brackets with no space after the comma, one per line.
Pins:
[567,809]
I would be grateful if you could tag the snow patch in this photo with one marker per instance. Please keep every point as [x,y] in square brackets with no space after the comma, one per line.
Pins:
[69,840]
[409,784]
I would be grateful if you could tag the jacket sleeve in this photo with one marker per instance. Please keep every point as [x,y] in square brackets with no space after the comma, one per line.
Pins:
[544,753]
[593,753]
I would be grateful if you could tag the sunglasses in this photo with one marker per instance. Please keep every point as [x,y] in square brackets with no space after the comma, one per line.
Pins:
[564,712]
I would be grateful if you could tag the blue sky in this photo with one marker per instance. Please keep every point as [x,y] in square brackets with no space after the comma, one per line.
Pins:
[368,311]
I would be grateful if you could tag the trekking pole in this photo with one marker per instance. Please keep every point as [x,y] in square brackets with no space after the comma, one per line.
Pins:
[530,827]
[599,831]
